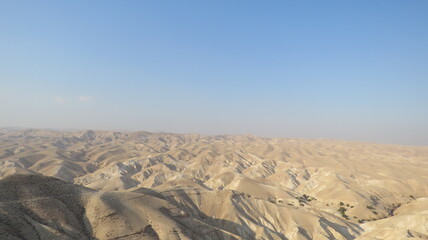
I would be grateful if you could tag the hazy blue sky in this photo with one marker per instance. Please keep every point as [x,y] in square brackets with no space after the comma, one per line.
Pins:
[354,70]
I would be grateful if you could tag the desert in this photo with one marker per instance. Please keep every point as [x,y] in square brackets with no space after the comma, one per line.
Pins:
[142,185]
[213,120]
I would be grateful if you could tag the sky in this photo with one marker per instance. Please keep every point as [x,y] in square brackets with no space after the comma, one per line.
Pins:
[352,70]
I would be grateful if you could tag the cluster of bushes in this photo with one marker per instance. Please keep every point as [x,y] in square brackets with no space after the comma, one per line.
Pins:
[305,199]
[366,220]
[342,211]
[343,208]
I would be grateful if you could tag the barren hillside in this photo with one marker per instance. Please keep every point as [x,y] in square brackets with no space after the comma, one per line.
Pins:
[140,185]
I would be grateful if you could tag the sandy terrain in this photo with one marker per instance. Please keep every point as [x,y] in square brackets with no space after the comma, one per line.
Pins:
[140,185]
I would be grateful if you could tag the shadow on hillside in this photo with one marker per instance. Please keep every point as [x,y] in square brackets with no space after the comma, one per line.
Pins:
[200,223]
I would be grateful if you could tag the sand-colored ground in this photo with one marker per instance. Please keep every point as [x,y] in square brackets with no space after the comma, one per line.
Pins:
[140,185]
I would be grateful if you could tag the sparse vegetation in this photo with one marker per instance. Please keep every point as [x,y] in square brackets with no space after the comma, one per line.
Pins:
[305,198]
[393,208]
[342,211]
[241,201]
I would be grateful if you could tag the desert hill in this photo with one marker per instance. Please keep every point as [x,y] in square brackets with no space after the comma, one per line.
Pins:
[117,185]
